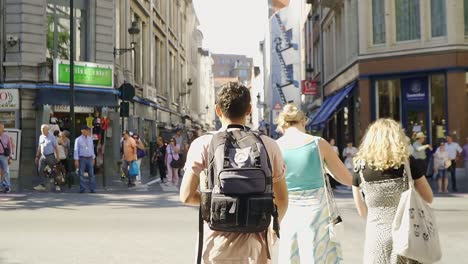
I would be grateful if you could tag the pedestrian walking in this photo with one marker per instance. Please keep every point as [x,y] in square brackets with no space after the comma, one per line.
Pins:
[159,158]
[129,150]
[181,141]
[85,159]
[465,157]
[242,246]
[172,153]
[63,148]
[348,154]
[380,175]
[332,144]
[45,155]
[6,152]
[418,160]
[141,153]
[302,236]
[441,164]
[454,150]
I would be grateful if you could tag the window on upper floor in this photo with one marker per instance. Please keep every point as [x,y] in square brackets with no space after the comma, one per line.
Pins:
[378,21]
[466,16]
[438,18]
[58,30]
[408,20]
[243,73]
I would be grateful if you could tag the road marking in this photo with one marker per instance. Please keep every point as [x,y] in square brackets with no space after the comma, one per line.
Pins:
[153,182]
[169,188]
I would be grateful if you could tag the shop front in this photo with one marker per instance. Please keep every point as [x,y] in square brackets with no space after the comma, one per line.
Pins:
[419,102]
[336,116]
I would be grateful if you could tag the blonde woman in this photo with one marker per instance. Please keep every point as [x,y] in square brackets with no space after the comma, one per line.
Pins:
[303,239]
[379,173]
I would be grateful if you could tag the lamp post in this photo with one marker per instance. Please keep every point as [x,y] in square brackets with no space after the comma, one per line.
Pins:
[127,91]
[133,30]
[72,72]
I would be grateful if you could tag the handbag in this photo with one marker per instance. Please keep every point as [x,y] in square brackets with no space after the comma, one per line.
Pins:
[414,229]
[6,151]
[176,164]
[447,164]
[335,226]
[61,152]
[134,170]
[140,153]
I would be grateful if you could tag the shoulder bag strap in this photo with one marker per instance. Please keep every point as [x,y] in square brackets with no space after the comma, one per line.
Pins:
[200,236]
[332,208]
[409,175]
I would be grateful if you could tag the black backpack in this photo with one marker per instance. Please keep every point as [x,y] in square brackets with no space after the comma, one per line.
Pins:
[237,195]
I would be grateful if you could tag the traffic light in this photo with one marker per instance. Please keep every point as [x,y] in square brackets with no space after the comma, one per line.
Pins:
[127,92]
[124,109]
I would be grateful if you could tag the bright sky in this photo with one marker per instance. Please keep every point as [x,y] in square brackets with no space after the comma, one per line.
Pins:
[232,26]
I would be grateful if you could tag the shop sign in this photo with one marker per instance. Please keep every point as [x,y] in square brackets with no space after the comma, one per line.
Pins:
[309,87]
[9,99]
[86,74]
[78,109]
[416,92]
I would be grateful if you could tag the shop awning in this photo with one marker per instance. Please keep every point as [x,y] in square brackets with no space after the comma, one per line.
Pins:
[330,106]
[102,97]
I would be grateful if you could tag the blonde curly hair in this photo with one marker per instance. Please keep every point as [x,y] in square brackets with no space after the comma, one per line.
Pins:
[290,116]
[384,146]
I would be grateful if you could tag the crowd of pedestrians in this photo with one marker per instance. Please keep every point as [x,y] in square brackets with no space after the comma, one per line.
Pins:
[221,169]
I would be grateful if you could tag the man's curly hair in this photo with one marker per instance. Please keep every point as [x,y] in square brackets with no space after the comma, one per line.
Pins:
[234,100]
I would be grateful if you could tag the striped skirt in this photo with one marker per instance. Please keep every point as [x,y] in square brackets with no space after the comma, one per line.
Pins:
[304,231]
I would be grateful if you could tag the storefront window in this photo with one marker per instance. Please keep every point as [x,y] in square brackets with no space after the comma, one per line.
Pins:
[438,106]
[388,98]
[58,30]
[8,119]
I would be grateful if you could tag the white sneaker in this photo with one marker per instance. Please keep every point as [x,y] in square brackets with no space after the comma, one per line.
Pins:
[57,188]
[40,187]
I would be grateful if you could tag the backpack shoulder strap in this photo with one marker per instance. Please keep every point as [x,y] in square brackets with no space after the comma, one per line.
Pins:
[217,140]
[259,137]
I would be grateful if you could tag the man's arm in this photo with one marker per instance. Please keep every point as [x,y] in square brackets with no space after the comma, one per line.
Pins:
[189,194]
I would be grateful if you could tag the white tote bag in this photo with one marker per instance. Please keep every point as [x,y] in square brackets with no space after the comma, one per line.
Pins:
[414,231]
[335,226]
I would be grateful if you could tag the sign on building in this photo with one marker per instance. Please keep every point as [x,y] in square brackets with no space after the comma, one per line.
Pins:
[309,87]
[86,74]
[9,99]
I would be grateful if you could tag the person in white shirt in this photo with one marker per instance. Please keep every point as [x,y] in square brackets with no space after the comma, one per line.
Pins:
[335,148]
[441,160]
[349,153]
[453,150]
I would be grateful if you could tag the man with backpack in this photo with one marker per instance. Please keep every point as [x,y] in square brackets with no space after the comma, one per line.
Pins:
[243,194]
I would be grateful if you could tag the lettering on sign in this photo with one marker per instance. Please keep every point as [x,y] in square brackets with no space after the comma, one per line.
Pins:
[78,109]
[9,99]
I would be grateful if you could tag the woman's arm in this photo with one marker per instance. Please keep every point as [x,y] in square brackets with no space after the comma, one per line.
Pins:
[334,164]
[424,189]
[359,202]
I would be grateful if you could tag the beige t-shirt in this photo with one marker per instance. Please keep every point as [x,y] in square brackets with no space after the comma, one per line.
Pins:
[225,247]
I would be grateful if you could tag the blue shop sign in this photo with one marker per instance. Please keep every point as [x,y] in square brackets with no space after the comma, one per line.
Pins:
[416,91]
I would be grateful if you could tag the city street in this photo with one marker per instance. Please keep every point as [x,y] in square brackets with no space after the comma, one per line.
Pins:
[149,225]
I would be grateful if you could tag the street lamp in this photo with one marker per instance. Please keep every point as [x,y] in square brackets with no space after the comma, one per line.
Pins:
[133,30]
[189,84]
